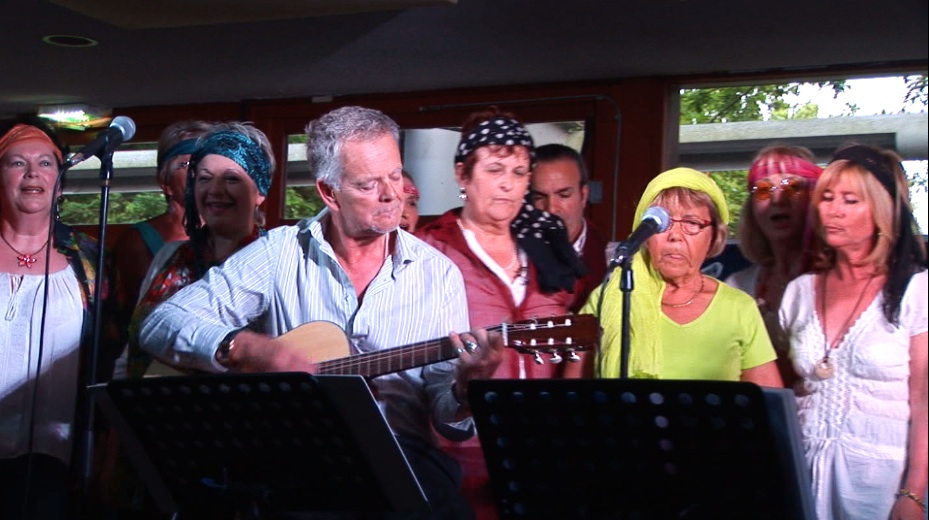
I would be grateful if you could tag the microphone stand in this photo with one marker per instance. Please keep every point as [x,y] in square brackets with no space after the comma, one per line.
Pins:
[626,286]
[84,441]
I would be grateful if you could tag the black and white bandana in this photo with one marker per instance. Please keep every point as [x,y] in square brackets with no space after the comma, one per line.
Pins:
[544,238]
[502,131]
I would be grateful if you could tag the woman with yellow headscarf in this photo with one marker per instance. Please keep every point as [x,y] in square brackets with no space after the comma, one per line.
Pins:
[683,323]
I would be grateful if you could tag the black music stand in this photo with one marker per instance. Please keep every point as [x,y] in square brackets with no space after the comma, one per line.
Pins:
[252,444]
[638,449]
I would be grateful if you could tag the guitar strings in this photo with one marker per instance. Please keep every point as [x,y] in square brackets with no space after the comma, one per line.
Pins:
[378,357]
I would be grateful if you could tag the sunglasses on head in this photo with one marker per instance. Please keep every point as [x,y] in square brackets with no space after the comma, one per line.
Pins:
[793,187]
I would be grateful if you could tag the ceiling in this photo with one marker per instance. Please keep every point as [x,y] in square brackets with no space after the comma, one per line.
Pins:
[208,55]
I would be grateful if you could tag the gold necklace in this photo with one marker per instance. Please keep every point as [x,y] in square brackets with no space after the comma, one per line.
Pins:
[692,298]
[25,259]
[826,367]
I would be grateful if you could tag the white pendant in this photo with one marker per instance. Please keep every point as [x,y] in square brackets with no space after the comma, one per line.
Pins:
[824,369]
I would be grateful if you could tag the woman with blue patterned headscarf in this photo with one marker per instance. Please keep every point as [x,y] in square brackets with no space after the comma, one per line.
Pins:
[228,179]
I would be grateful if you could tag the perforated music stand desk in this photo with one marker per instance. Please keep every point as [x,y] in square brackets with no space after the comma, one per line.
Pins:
[255,443]
[640,449]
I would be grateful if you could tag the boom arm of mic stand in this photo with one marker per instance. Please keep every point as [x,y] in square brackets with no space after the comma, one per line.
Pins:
[626,286]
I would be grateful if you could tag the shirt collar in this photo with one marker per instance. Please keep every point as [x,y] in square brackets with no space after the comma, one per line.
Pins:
[581,240]
[405,251]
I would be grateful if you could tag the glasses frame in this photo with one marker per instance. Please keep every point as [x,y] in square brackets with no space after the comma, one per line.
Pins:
[701,225]
[793,187]
[180,166]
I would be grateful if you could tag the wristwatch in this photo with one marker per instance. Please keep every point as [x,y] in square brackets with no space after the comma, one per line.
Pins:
[225,348]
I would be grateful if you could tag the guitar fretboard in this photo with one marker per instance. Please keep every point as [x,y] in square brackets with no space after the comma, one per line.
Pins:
[373,364]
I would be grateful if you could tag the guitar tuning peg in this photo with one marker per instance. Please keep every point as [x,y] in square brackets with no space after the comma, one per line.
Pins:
[537,358]
[556,358]
[573,357]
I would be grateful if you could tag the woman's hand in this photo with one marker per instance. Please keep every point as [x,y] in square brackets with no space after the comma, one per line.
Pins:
[918,439]
[905,508]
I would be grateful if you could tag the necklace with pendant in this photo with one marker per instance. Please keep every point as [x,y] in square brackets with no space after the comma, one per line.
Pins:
[25,259]
[825,368]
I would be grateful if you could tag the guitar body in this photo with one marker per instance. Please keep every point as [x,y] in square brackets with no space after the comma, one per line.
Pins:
[319,340]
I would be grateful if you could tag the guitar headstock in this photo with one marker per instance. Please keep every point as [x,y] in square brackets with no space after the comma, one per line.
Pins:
[559,336]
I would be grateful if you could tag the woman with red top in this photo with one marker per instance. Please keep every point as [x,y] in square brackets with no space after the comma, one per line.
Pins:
[517,261]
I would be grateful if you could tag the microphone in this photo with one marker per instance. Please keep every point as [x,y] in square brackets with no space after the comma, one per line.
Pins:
[655,220]
[120,130]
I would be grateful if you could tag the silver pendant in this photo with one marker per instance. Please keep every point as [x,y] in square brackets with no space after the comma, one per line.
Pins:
[824,369]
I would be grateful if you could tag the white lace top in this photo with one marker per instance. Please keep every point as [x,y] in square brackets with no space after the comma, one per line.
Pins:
[21,301]
[854,424]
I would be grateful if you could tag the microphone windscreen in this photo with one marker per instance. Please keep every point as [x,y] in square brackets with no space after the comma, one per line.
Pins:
[659,215]
[125,125]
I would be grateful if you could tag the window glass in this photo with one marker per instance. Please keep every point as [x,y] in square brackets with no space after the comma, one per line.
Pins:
[428,155]
[722,128]
[134,193]
[301,199]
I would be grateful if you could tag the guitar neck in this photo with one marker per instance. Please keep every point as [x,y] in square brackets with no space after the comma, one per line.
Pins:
[388,361]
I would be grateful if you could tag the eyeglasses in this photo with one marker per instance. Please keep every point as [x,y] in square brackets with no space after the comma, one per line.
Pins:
[180,166]
[791,186]
[690,226]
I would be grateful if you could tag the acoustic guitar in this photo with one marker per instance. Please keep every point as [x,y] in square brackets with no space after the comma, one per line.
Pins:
[557,337]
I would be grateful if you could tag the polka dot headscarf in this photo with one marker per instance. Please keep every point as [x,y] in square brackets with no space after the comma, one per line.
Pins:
[498,130]
[544,238]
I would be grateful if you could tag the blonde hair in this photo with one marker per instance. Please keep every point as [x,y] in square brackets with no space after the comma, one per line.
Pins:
[875,195]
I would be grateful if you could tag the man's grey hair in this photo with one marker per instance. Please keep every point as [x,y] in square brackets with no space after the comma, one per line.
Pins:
[326,135]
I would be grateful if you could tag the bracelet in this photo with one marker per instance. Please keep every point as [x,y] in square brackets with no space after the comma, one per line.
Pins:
[225,348]
[912,496]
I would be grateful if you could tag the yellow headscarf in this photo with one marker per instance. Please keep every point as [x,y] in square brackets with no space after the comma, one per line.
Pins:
[645,348]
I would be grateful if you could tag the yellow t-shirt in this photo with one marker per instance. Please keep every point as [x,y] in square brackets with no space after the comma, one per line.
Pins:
[728,338]
[725,340]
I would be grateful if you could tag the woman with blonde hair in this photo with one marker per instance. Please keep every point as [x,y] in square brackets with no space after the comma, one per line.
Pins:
[858,339]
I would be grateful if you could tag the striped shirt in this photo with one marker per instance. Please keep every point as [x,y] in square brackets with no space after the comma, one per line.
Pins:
[291,277]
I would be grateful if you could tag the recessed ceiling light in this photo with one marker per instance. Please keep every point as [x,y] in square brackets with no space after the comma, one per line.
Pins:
[65,40]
